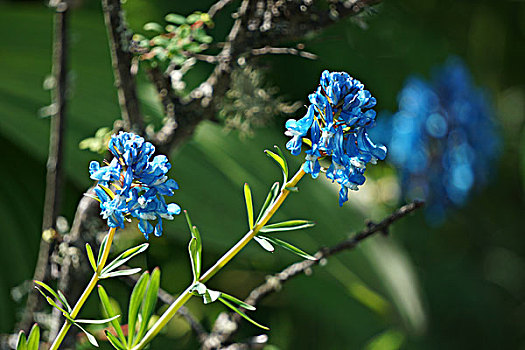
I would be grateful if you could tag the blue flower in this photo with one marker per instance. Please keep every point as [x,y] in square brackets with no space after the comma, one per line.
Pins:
[338,119]
[134,185]
[443,139]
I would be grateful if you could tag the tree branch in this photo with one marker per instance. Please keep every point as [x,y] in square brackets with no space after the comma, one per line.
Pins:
[227,324]
[121,58]
[54,161]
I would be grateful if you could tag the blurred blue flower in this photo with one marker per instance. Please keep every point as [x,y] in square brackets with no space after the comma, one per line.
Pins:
[443,139]
[133,185]
[338,119]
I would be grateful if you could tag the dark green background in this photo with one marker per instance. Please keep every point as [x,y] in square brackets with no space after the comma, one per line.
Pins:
[458,286]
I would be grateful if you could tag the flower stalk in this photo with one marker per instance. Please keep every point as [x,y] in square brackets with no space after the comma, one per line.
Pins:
[92,283]
[187,294]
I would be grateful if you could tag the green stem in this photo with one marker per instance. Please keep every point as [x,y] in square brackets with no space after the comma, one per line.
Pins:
[96,276]
[186,295]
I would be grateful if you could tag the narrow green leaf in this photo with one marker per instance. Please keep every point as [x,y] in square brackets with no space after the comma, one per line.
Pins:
[211,296]
[33,341]
[120,273]
[117,344]
[281,162]
[124,257]
[91,257]
[55,305]
[264,243]
[249,204]
[285,170]
[108,309]
[102,247]
[137,295]
[289,225]
[289,247]
[175,18]
[154,27]
[272,194]
[21,343]
[243,314]
[106,320]
[46,287]
[149,302]
[238,301]
[63,300]
[90,336]
[195,250]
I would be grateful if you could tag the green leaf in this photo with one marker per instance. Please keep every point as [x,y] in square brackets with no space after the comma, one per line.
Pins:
[33,341]
[272,194]
[91,257]
[242,314]
[249,204]
[106,320]
[292,188]
[102,247]
[124,257]
[175,18]
[238,301]
[107,190]
[46,287]
[63,300]
[154,27]
[264,243]
[211,296]
[137,295]
[289,247]
[289,225]
[90,336]
[194,17]
[149,302]
[117,344]
[194,248]
[285,170]
[55,305]
[281,162]
[108,309]
[21,343]
[120,273]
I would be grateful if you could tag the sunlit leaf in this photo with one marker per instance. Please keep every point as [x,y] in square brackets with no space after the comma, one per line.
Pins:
[120,273]
[91,257]
[106,320]
[237,301]
[137,295]
[175,18]
[194,249]
[249,204]
[264,243]
[228,304]
[33,341]
[90,336]
[154,27]
[289,247]
[149,302]
[102,247]
[274,192]
[117,344]
[288,226]
[108,309]
[281,162]
[63,300]
[21,343]
[124,257]
[46,287]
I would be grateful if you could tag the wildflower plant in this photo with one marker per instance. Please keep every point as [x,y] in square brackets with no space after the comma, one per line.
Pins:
[443,139]
[133,185]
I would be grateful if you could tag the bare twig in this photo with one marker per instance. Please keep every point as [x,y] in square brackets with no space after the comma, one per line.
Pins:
[121,57]
[218,6]
[226,325]
[54,160]
[283,51]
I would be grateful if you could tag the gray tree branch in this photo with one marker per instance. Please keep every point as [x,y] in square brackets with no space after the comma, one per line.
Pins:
[227,324]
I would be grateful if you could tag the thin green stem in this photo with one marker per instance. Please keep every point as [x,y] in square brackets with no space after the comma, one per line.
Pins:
[91,285]
[186,295]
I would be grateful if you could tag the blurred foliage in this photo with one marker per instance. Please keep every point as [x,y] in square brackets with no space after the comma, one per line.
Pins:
[471,289]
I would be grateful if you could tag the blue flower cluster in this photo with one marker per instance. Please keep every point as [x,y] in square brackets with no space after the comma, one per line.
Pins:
[442,139]
[133,185]
[335,126]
